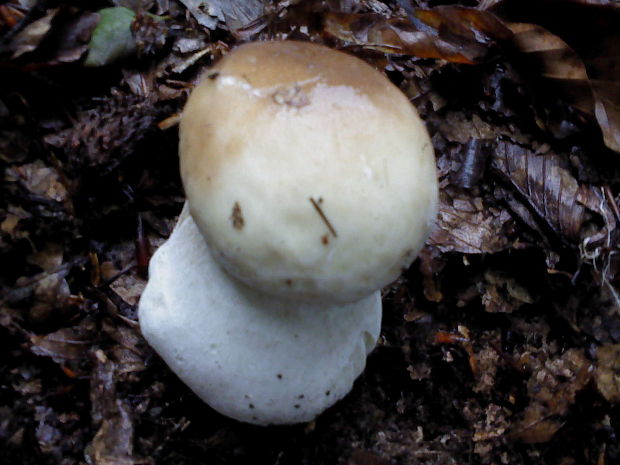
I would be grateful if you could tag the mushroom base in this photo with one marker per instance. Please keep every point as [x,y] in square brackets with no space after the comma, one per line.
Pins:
[248,355]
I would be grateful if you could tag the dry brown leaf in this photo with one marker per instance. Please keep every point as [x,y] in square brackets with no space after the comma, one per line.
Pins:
[549,199]
[32,35]
[66,343]
[128,352]
[129,287]
[113,442]
[607,110]
[558,64]
[453,33]
[48,289]
[577,53]
[235,13]
[546,185]
[40,180]
[470,24]
[61,36]
[71,35]
[466,224]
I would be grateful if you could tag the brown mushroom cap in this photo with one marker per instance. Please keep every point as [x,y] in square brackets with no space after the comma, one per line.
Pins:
[309,174]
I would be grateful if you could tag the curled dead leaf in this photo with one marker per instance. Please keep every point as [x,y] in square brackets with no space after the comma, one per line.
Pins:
[575,54]
[453,33]
[546,186]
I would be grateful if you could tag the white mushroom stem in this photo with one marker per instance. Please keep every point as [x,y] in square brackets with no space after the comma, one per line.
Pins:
[251,356]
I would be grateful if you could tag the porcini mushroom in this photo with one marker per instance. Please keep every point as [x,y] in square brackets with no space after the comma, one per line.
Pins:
[251,356]
[311,184]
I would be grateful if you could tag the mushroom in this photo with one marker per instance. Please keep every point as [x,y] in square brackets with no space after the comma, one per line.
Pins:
[251,356]
[310,184]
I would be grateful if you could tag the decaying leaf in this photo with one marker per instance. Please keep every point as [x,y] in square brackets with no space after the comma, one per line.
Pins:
[514,370]
[128,352]
[239,14]
[39,179]
[203,12]
[552,58]
[66,344]
[496,423]
[129,288]
[113,443]
[453,33]
[46,292]
[235,13]
[565,73]
[552,389]
[607,374]
[61,36]
[488,362]
[545,184]
[72,34]
[576,54]
[32,35]
[466,224]
[502,293]
[549,199]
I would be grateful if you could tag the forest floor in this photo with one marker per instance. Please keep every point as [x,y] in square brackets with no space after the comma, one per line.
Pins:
[501,343]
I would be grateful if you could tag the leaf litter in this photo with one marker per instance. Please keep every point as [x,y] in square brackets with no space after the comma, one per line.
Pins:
[499,345]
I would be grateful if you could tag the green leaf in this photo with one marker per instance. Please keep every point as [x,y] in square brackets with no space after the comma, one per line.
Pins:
[112,38]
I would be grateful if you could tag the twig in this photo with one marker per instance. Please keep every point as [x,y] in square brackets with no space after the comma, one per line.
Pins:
[323,217]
